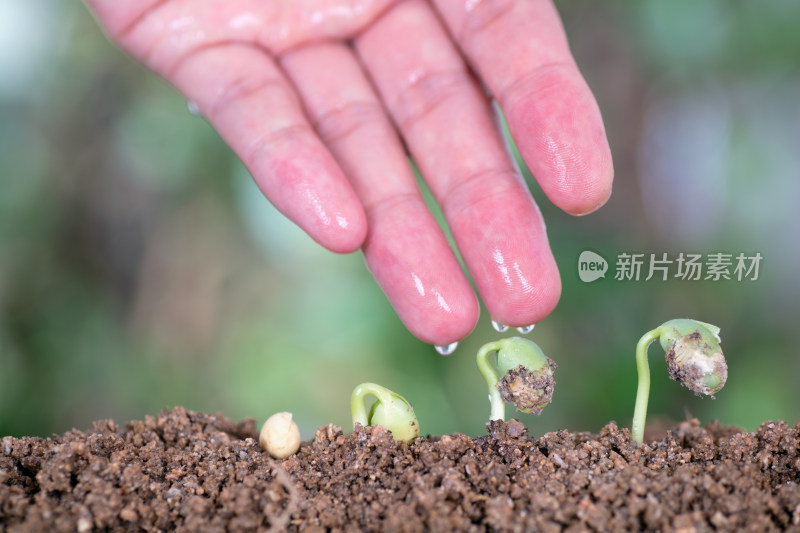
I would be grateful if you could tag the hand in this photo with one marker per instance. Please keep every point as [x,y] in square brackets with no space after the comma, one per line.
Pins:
[312,94]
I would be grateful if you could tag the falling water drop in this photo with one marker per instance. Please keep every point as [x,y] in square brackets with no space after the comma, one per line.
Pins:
[498,327]
[526,329]
[194,109]
[447,350]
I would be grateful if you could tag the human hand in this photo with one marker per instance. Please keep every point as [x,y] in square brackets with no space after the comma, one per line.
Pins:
[311,95]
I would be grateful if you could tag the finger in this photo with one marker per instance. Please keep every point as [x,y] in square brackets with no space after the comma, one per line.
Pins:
[162,32]
[447,123]
[116,15]
[247,99]
[520,51]
[405,249]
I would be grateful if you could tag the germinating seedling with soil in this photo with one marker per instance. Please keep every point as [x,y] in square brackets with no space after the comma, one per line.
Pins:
[694,359]
[527,376]
[390,411]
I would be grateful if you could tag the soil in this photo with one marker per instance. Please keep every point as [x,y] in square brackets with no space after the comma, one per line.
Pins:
[529,391]
[196,472]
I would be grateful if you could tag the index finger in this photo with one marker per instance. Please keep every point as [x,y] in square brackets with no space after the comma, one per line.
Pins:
[520,51]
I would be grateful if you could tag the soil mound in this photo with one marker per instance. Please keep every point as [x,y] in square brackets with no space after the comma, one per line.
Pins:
[196,472]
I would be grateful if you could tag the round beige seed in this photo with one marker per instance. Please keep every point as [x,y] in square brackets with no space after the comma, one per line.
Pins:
[280,436]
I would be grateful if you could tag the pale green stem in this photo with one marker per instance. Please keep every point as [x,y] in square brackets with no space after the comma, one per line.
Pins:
[357,408]
[498,407]
[643,391]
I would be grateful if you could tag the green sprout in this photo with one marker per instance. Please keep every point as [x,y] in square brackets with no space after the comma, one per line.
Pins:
[694,359]
[391,411]
[527,380]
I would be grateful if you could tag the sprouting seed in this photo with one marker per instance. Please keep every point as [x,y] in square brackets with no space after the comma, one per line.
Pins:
[694,359]
[527,376]
[390,410]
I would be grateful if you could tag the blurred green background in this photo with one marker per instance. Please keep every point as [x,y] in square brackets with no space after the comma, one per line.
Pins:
[141,268]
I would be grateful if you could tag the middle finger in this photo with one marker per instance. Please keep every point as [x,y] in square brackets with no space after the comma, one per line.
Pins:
[448,125]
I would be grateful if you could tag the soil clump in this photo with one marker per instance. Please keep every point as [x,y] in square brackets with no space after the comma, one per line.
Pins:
[190,471]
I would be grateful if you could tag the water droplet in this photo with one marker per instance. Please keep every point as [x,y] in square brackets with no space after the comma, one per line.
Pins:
[447,350]
[498,327]
[194,109]
[526,329]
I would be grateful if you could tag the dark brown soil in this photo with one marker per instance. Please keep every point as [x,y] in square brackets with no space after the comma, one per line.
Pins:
[530,392]
[195,472]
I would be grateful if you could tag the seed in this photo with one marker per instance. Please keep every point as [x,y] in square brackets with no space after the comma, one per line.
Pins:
[280,436]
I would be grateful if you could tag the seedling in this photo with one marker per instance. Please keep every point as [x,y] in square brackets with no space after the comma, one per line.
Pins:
[694,359]
[527,380]
[391,411]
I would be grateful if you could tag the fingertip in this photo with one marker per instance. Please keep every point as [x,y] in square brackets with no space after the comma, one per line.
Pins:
[528,308]
[306,184]
[347,234]
[443,329]
[560,135]
[434,302]
[592,192]
[503,240]
[341,228]
[412,262]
